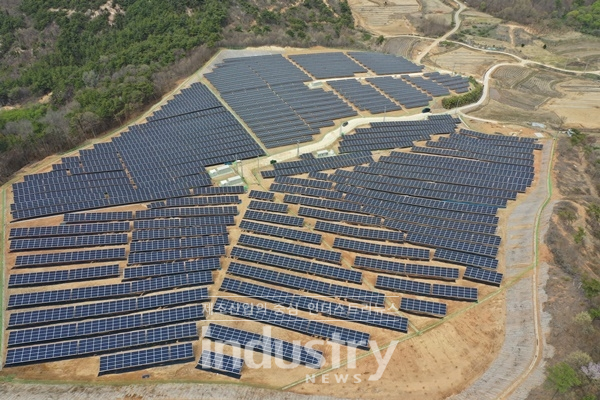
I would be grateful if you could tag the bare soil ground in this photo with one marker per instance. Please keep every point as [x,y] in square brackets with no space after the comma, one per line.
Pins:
[463,60]
[384,17]
[530,95]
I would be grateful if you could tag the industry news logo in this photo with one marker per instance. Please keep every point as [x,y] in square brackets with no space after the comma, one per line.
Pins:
[263,351]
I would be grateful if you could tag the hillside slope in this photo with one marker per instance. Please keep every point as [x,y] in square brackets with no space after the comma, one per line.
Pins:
[71,69]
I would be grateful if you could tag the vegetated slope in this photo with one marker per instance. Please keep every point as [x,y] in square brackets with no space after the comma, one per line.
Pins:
[573,287]
[583,15]
[73,69]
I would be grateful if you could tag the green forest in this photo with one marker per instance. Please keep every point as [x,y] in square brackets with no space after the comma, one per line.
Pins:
[73,69]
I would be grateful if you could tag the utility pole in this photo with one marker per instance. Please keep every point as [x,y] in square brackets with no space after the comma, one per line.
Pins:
[384,112]
[297,148]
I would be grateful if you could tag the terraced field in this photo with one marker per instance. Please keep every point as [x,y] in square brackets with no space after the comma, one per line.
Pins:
[508,76]
[540,84]
[385,17]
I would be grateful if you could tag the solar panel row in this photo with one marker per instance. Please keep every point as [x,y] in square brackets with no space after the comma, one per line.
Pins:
[294,264]
[106,308]
[309,285]
[316,305]
[347,337]
[99,344]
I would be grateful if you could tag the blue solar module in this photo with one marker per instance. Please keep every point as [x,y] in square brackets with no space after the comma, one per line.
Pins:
[309,285]
[339,216]
[347,337]
[179,267]
[293,249]
[307,267]
[412,270]
[378,249]
[327,65]
[65,242]
[403,285]
[221,364]
[62,276]
[94,327]
[146,358]
[267,206]
[152,257]
[273,218]
[362,233]
[197,201]
[100,344]
[257,194]
[207,230]
[454,292]
[179,243]
[67,230]
[458,257]
[385,64]
[106,308]
[316,305]
[75,257]
[98,217]
[278,231]
[483,276]
[268,345]
[423,307]
[185,212]
[227,220]
[89,293]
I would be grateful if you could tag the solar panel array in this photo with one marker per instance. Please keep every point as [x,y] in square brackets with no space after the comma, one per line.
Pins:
[327,65]
[69,230]
[174,268]
[73,257]
[66,242]
[146,358]
[274,218]
[269,94]
[293,249]
[257,194]
[162,158]
[345,336]
[89,293]
[316,305]
[99,344]
[294,264]
[264,344]
[268,206]
[106,308]
[407,95]
[63,276]
[412,270]
[385,64]
[73,330]
[221,364]
[364,97]
[426,289]
[443,195]
[197,201]
[457,83]
[400,135]
[318,164]
[423,307]
[363,233]
[278,231]
[379,249]
[483,276]
[432,88]
[309,285]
